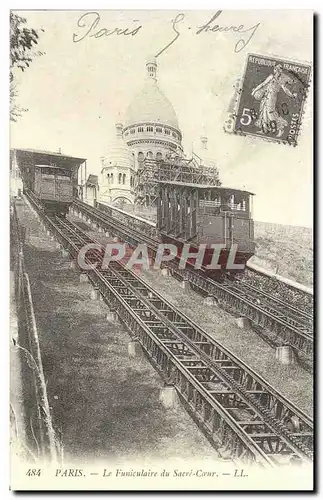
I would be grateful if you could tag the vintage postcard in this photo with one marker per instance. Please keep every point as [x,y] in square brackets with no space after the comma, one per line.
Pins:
[161,258]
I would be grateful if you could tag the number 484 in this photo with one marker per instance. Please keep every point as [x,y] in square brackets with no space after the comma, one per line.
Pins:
[33,472]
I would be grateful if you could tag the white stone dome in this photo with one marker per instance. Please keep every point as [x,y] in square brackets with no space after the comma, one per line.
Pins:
[150,104]
[118,152]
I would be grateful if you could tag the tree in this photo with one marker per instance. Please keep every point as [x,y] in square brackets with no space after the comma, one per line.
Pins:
[22,42]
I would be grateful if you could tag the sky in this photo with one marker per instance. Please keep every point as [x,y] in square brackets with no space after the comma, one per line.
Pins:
[83,84]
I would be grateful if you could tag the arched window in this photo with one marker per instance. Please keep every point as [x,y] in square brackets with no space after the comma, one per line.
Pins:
[120,177]
[159,156]
[140,156]
[149,155]
[124,179]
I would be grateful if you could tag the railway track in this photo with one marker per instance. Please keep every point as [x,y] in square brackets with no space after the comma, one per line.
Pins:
[263,310]
[241,414]
[148,228]
[295,317]
[298,313]
[277,289]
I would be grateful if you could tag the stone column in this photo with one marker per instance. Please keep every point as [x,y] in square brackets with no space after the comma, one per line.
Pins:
[168,396]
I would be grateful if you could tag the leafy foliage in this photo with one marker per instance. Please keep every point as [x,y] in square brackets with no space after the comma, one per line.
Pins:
[22,42]
[15,110]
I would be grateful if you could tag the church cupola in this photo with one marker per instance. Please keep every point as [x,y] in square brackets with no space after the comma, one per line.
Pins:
[151,66]
[151,127]
[203,142]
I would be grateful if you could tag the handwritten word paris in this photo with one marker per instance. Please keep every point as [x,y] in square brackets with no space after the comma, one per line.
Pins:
[90,27]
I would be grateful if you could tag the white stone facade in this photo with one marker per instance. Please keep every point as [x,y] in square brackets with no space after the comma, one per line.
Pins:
[150,130]
[118,173]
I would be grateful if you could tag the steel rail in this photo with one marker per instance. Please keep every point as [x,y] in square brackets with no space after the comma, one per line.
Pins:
[177,363]
[119,227]
[150,292]
[195,332]
[273,308]
[217,422]
[141,223]
[246,307]
[258,315]
[291,439]
[302,315]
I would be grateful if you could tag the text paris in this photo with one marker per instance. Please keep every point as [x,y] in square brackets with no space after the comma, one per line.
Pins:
[89,22]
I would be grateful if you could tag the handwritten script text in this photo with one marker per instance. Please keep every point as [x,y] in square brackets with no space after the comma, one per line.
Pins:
[89,24]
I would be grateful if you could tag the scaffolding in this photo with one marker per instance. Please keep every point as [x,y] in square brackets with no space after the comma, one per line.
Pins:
[150,172]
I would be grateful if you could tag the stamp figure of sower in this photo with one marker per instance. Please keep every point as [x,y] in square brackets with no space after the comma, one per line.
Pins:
[270,100]
[269,119]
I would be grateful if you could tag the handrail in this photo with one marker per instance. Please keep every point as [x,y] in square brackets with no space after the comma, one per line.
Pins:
[28,335]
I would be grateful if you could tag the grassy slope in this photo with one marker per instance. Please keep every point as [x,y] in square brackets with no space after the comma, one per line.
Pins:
[287,250]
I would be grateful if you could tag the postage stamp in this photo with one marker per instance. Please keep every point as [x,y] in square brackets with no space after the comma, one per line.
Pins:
[270,100]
